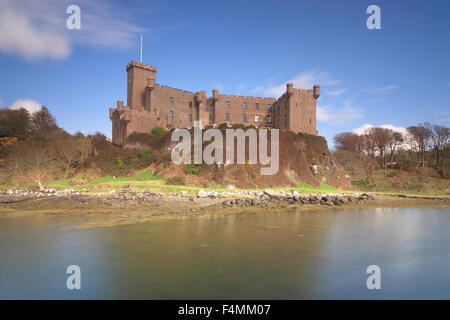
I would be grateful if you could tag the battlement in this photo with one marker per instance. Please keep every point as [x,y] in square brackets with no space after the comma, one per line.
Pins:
[232,96]
[141,65]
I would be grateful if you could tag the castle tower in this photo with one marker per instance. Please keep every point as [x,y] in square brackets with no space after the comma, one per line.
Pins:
[140,76]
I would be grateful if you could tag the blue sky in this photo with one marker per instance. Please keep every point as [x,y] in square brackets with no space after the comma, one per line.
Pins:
[398,75]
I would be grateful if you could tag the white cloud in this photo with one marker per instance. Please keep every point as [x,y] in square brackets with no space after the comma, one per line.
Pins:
[30,105]
[363,129]
[37,29]
[446,84]
[332,115]
[337,92]
[307,79]
[257,89]
[385,89]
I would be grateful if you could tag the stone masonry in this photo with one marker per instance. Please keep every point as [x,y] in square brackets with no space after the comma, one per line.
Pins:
[150,104]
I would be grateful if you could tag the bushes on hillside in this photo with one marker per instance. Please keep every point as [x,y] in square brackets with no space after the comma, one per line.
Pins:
[152,139]
[191,169]
[178,180]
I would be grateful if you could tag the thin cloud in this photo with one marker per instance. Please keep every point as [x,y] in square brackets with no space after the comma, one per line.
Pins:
[334,116]
[337,92]
[257,89]
[446,84]
[385,89]
[37,29]
[307,79]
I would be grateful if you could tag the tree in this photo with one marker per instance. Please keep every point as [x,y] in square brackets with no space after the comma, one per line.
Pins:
[14,123]
[71,150]
[348,141]
[394,142]
[33,159]
[368,155]
[43,121]
[419,138]
[439,136]
[381,137]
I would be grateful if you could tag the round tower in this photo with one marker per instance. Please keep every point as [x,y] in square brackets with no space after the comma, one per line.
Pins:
[316,88]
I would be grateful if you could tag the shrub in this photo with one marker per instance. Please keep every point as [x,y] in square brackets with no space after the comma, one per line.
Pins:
[179,180]
[145,152]
[145,157]
[191,169]
[159,132]
[119,163]
[238,126]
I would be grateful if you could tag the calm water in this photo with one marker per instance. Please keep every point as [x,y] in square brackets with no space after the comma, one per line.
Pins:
[284,255]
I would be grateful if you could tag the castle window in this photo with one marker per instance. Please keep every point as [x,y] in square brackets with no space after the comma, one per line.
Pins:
[257,106]
[171,100]
[269,119]
[190,105]
[296,104]
[256,118]
[244,118]
[309,120]
[171,114]
[190,117]
[269,107]
[244,105]
[227,116]
[210,117]
[227,104]
[285,120]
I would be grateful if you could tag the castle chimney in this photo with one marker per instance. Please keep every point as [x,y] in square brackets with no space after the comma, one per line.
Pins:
[290,88]
[215,94]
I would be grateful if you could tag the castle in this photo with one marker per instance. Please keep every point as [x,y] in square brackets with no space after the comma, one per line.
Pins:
[150,104]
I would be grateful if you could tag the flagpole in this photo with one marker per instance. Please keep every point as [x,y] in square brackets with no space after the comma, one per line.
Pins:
[141,48]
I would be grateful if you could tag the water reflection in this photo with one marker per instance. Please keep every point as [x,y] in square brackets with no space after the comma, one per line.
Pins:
[282,255]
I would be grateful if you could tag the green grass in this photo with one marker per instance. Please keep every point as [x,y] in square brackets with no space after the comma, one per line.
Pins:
[415,185]
[323,187]
[147,181]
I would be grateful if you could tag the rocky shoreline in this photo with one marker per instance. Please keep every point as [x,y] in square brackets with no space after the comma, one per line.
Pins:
[127,206]
[228,199]
[201,198]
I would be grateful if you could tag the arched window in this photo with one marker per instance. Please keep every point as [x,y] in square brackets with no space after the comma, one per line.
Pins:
[171,114]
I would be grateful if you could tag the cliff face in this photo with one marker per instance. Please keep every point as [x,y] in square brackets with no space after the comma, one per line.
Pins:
[303,158]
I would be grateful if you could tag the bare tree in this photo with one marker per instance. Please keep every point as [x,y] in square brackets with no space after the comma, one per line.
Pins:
[368,155]
[419,140]
[440,136]
[394,142]
[43,121]
[71,150]
[381,137]
[33,159]
[348,141]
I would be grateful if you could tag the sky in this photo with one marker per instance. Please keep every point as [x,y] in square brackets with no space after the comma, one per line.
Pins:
[395,76]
